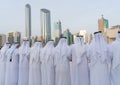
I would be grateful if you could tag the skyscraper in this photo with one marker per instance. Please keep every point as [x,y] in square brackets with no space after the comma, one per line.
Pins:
[103,24]
[45,25]
[57,31]
[28,20]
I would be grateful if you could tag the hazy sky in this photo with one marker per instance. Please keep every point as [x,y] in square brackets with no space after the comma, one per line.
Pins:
[74,14]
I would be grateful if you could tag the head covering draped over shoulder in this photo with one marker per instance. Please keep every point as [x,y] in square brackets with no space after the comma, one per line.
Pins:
[62,51]
[99,47]
[77,40]
[24,50]
[35,52]
[3,51]
[47,51]
[81,40]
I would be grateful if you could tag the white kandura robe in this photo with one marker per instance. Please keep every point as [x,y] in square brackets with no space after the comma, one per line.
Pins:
[115,67]
[12,67]
[80,72]
[24,54]
[47,64]
[99,62]
[35,65]
[3,59]
[62,64]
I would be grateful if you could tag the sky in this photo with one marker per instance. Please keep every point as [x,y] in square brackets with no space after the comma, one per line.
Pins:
[75,15]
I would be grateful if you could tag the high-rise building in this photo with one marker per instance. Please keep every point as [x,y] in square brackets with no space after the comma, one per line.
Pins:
[45,25]
[57,31]
[103,24]
[69,36]
[2,39]
[13,37]
[84,34]
[28,20]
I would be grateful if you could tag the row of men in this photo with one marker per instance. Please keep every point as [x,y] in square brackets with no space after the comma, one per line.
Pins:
[94,64]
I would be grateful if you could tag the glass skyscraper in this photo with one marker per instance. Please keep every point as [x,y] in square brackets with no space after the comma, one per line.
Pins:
[57,31]
[28,21]
[45,25]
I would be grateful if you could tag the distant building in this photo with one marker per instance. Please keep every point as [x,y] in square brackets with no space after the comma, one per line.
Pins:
[69,36]
[90,38]
[2,39]
[45,25]
[74,36]
[103,24]
[28,20]
[84,34]
[112,33]
[57,31]
[13,37]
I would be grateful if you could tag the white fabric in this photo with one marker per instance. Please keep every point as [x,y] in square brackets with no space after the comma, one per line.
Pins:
[77,40]
[47,64]
[62,65]
[99,69]
[12,66]
[80,74]
[115,67]
[34,65]
[3,59]
[81,40]
[24,53]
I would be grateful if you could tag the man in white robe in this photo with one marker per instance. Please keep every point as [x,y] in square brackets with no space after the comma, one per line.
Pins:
[80,74]
[115,61]
[47,64]
[62,64]
[3,59]
[35,65]
[24,53]
[12,65]
[99,61]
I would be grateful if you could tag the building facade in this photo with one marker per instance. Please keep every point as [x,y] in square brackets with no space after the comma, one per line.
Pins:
[13,37]
[2,39]
[103,24]
[69,36]
[28,21]
[111,33]
[45,25]
[57,31]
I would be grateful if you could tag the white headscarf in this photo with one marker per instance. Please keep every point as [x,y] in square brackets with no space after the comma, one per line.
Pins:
[10,51]
[81,40]
[35,52]
[98,47]
[47,51]
[77,40]
[3,52]
[62,50]
[24,50]
[80,49]
[116,60]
